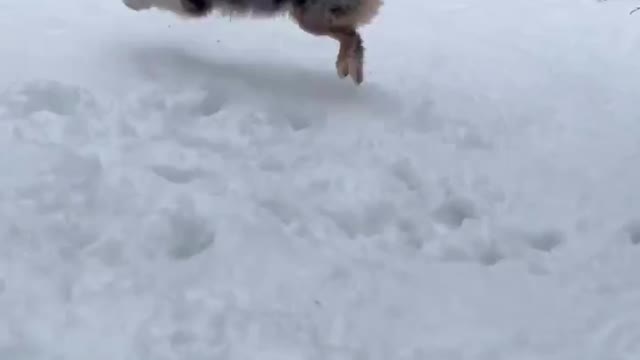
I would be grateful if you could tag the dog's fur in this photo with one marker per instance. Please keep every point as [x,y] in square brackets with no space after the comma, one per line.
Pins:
[338,19]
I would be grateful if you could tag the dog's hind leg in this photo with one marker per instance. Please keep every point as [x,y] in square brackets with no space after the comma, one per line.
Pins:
[350,59]
[339,20]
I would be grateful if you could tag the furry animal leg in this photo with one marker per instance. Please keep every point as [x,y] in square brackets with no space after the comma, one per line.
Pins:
[337,19]
[350,59]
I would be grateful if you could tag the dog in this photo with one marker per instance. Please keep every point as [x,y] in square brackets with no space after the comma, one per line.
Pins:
[337,19]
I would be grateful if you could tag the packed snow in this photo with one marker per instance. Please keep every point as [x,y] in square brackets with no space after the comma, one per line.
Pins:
[209,189]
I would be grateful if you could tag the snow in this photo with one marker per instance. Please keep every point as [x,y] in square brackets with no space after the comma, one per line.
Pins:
[210,189]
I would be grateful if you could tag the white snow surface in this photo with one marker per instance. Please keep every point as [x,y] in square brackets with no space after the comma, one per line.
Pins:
[209,189]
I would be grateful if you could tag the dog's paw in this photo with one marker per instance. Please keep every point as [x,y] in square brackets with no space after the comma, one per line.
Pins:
[137,5]
[356,65]
[350,66]
[342,68]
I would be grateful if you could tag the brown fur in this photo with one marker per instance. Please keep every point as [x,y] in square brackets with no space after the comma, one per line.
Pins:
[337,19]
[350,59]
[344,29]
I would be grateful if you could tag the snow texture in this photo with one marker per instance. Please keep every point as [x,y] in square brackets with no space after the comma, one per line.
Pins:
[209,189]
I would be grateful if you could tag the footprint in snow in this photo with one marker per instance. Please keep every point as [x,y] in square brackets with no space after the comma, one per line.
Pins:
[179,232]
[546,240]
[188,235]
[632,230]
[453,212]
[176,175]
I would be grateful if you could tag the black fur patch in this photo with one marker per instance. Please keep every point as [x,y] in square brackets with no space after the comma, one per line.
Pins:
[197,7]
[337,10]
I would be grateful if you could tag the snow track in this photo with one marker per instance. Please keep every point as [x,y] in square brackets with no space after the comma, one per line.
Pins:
[210,190]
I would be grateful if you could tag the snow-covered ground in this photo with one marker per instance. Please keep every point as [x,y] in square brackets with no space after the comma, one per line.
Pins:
[191,190]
